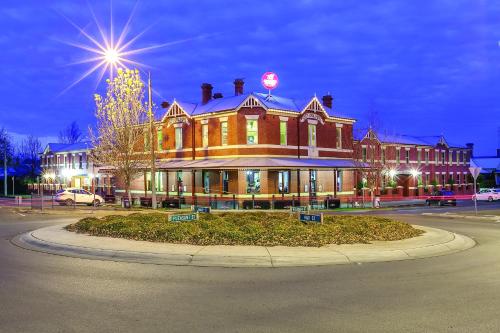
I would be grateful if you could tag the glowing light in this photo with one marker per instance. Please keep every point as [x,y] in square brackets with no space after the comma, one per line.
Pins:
[67,173]
[415,173]
[392,173]
[109,53]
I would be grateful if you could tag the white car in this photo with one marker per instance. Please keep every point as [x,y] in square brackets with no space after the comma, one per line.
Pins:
[71,196]
[487,194]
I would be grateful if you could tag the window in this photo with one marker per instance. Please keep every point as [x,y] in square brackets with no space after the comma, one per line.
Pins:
[158,181]
[252,131]
[223,133]
[427,179]
[206,181]
[180,184]
[443,179]
[419,156]
[443,157]
[338,142]
[159,139]
[284,182]
[283,133]
[178,138]
[436,157]
[383,155]
[225,182]
[73,162]
[458,178]
[204,135]
[407,156]
[398,155]
[65,161]
[253,181]
[450,157]
[461,157]
[363,153]
[427,157]
[339,181]
[80,162]
[312,135]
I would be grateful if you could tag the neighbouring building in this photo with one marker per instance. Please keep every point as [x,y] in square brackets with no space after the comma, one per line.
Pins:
[404,165]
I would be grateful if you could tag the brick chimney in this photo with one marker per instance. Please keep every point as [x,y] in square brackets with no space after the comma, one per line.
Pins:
[165,105]
[470,146]
[328,101]
[218,95]
[206,93]
[238,87]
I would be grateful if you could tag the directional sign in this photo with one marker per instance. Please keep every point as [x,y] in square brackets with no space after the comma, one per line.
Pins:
[475,171]
[183,217]
[298,209]
[200,209]
[317,218]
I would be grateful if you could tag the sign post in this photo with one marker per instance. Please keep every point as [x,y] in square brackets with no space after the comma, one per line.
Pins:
[305,217]
[270,81]
[475,173]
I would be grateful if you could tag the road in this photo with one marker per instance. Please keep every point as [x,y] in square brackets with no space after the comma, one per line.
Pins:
[455,293]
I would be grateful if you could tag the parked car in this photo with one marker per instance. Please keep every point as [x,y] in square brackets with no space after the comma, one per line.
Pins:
[70,196]
[441,198]
[487,194]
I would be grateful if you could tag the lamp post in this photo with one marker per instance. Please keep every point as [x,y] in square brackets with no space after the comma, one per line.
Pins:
[151,142]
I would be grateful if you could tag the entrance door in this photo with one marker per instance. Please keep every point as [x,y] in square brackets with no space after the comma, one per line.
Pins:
[313,180]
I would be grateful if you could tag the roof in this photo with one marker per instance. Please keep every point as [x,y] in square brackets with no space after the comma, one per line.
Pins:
[269,102]
[430,140]
[259,163]
[487,163]
[67,147]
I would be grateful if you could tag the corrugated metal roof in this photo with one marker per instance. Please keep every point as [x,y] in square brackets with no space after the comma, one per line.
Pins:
[68,147]
[487,163]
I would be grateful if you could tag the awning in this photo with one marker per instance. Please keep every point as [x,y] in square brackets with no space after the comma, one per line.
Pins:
[262,163]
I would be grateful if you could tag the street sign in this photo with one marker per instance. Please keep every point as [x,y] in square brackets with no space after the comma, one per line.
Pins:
[298,209]
[317,218]
[269,80]
[183,217]
[475,171]
[200,209]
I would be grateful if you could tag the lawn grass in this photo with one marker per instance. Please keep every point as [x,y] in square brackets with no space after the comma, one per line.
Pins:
[249,228]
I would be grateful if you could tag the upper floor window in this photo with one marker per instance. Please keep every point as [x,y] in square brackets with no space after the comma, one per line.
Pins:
[252,131]
[363,154]
[204,135]
[338,139]
[73,162]
[283,133]
[398,155]
[450,157]
[223,133]
[427,157]
[443,157]
[419,156]
[407,156]
[383,155]
[178,138]
[312,135]
[159,139]
[436,157]
[80,162]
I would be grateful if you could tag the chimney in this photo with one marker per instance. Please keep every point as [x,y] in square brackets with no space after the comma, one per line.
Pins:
[470,146]
[165,105]
[328,101]
[206,93]
[498,152]
[218,95]
[238,87]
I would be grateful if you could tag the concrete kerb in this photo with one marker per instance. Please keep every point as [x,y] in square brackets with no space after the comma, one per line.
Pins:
[56,240]
[492,218]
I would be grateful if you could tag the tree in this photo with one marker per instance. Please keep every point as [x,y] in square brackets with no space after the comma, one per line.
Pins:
[368,161]
[71,134]
[29,154]
[6,152]
[121,125]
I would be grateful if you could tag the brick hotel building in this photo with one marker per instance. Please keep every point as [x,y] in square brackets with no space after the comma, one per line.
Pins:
[263,147]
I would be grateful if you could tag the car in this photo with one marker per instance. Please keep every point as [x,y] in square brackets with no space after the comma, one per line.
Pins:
[71,196]
[487,194]
[441,198]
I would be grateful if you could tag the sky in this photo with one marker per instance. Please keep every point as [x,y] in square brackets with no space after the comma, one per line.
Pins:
[426,67]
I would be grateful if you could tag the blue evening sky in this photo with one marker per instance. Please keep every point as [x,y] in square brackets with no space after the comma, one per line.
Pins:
[424,67]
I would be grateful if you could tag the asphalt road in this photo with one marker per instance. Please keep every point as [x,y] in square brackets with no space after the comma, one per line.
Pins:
[453,293]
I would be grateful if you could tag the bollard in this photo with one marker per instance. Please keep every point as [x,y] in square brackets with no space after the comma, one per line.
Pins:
[272,203]
[253,201]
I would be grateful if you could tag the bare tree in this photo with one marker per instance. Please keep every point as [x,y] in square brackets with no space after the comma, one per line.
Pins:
[29,153]
[369,163]
[71,134]
[6,152]
[121,127]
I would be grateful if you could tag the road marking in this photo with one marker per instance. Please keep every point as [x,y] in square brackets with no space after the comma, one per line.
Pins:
[21,214]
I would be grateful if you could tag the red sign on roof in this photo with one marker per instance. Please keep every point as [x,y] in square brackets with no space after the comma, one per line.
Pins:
[269,80]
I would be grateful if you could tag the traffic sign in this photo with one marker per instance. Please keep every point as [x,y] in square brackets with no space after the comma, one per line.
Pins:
[183,217]
[317,218]
[200,209]
[475,171]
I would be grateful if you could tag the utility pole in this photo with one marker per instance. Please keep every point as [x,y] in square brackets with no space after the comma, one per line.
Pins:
[5,169]
[151,141]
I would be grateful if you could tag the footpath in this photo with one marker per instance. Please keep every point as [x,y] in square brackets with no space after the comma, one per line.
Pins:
[56,240]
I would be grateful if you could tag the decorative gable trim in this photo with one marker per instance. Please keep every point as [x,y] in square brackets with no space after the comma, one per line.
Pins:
[443,142]
[251,102]
[315,106]
[175,110]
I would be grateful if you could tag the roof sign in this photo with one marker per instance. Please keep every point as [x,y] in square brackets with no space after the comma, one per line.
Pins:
[269,80]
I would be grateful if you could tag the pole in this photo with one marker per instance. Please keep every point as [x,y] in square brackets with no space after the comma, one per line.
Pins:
[5,170]
[153,157]
[475,196]
[13,191]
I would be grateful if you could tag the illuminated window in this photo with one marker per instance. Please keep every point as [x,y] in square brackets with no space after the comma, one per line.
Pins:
[178,138]
[204,135]
[338,139]
[283,133]
[253,181]
[223,133]
[339,180]
[252,131]
[312,135]
[159,138]
[407,156]
[284,182]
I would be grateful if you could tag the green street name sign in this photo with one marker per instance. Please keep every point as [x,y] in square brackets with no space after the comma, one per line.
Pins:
[299,209]
[317,218]
[183,217]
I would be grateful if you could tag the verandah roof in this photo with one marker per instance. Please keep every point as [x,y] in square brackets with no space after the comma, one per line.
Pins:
[261,163]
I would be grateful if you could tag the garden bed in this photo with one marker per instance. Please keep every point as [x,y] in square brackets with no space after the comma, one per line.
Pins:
[249,228]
